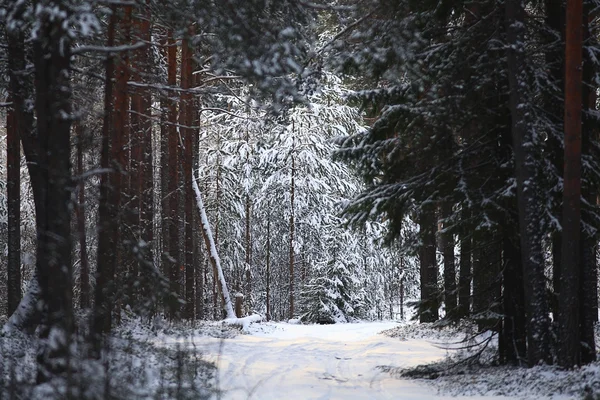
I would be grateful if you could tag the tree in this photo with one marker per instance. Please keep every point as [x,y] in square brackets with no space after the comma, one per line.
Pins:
[528,190]
[569,354]
[52,61]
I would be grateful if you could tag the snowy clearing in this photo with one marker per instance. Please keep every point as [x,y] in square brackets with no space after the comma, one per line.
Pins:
[290,361]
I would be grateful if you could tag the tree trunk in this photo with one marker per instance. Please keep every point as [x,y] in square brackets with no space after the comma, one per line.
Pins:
[173,184]
[52,62]
[428,308]
[165,129]
[186,120]
[569,349]
[487,255]
[514,336]
[211,248]
[538,322]
[447,245]
[464,282]
[291,242]
[107,222]
[24,315]
[268,266]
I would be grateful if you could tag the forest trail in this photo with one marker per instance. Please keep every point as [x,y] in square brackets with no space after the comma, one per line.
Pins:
[287,361]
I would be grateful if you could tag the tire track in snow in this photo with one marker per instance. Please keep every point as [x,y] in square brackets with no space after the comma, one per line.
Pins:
[304,362]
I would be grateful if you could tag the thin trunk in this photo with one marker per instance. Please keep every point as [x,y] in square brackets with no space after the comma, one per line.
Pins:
[84,278]
[107,223]
[402,289]
[198,262]
[248,210]
[164,174]
[538,321]
[211,248]
[268,262]
[292,231]
[217,215]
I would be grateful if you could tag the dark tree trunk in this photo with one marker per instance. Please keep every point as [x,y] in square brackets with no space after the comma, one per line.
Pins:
[554,103]
[569,349]
[487,254]
[538,321]
[447,244]
[52,55]
[173,184]
[186,120]
[514,335]
[428,309]
[24,313]
[464,280]
[121,194]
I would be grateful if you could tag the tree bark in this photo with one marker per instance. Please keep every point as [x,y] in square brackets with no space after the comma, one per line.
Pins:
[24,315]
[268,267]
[514,336]
[569,350]
[173,184]
[428,308]
[447,244]
[464,282]
[186,120]
[52,62]
[538,321]
[291,238]
[107,222]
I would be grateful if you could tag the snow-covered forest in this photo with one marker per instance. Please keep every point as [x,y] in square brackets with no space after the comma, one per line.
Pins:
[176,174]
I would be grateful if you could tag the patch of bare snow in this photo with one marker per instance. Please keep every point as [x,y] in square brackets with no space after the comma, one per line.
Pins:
[340,361]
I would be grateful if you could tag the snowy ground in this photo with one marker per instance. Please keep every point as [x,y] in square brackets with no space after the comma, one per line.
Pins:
[343,361]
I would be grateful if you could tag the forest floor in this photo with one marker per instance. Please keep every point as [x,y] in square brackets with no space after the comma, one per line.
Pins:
[263,361]
[357,361]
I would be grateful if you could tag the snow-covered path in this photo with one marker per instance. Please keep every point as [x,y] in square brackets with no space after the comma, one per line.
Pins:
[285,361]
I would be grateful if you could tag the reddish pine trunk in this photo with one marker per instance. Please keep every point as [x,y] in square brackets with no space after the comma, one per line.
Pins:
[120,142]
[173,184]
[569,352]
[185,121]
